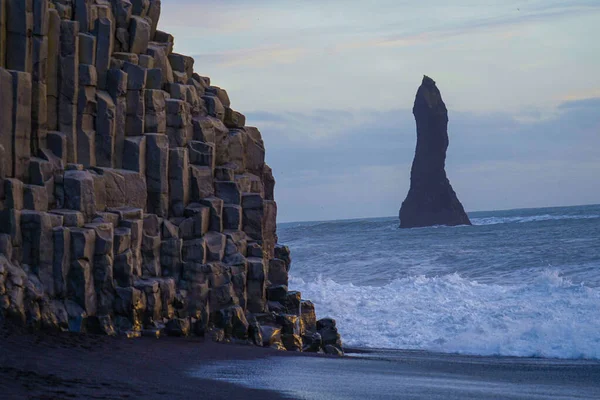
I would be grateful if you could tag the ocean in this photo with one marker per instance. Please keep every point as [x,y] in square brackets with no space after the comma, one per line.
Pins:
[517,283]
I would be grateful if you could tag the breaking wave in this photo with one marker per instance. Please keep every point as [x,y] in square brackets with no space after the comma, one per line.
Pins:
[524,219]
[549,317]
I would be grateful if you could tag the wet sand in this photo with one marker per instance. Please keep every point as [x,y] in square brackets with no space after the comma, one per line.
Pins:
[394,374]
[69,366]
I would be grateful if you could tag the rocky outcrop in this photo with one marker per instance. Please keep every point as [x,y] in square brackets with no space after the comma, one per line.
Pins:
[431,199]
[133,198]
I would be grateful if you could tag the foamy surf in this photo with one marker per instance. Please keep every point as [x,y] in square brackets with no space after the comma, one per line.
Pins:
[525,219]
[550,317]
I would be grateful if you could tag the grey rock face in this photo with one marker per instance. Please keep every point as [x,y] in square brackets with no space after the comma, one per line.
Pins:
[133,198]
[431,199]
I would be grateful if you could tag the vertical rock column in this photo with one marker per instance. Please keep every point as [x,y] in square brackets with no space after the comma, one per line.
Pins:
[3,11]
[80,281]
[134,124]
[123,256]
[122,10]
[52,76]
[154,13]
[38,244]
[87,103]
[151,244]
[68,85]
[155,117]
[61,262]
[179,181]
[178,130]
[118,82]
[104,48]
[157,173]
[110,122]
[103,267]
[19,29]
[39,116]
[6,127]
[21,124]
[10,217]
[82,13]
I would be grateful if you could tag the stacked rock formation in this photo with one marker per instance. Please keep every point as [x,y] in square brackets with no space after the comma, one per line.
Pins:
[431,199]
[133,198]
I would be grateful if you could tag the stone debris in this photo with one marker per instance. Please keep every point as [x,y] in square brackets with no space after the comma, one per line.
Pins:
[134,199]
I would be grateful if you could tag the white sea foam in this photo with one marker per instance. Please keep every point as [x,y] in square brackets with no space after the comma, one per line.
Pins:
[550,317]
[523,219]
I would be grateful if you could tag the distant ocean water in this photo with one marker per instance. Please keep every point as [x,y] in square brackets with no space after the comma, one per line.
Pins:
[516,283]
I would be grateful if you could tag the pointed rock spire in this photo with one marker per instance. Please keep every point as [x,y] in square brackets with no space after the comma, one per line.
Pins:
[431,199]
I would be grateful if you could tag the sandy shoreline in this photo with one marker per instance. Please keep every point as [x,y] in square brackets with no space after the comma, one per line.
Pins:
[71,366]
[67,366]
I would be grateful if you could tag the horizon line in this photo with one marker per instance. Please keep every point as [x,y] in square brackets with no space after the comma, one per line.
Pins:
[468,212]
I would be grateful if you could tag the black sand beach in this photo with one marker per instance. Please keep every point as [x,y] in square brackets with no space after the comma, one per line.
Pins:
[70,366]
[74,366]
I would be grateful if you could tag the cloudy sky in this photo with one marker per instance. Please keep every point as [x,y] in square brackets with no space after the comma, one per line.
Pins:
[331,83]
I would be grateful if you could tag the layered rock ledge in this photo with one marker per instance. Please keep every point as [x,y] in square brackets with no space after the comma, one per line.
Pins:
[134,199]
[431,199]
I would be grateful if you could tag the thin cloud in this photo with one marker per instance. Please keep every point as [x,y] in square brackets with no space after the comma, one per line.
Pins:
[503,26]
[581,103]
[256,57]
[587,95]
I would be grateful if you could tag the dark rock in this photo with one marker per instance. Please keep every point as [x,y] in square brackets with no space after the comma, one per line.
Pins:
[233,321]
[216,213]
[170,257]
[292,302]
[431,199]
[333,350]
[178,327]
[283,253]
[292,342]
[290,324]
[151,255]
[308,316]
[255,334]
[232,217]
[276,307]
[101,325]
[312,343]
[131,304]
[122,240]
[217,335]
[168,293]
[80,285]
[327,328]
[77,316]
[278,272]
[228,191]
[277,293]
[202,182]
[215,246]
[194,251]
[151,289]
[271,334]
[124,269]
[254,250]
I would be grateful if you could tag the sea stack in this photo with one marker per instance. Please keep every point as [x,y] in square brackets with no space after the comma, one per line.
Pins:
[431,199]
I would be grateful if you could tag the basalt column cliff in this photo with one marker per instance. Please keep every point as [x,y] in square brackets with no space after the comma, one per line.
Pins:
[133,198]
[431,199]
